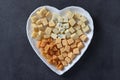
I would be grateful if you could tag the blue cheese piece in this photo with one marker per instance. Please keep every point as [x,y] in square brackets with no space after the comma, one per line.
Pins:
[61,36]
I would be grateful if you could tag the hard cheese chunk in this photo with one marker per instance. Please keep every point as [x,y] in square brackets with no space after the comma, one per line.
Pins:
[72,22]
[54,36]
[48,30]
[84,38]
[86,29]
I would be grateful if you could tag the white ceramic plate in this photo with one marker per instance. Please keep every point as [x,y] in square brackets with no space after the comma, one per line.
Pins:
[55,10]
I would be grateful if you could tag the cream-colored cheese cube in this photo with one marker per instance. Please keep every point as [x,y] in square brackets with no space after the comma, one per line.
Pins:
[38,21]
[56,31]
[80,23]
[66,26]
[34,19]
[34,34]
[84,38]
[77,27]
[79,32]
[34,27]
[40,27]
[65,19]
[83,25]
[69,14]
[46,36]
[51,23]
[74,36]
[71,29]
[77,15]
[42,12]
[39,36]
[44,21]
[67,33]
[86,29]
[54,36]
[48,30]
[72,22]
[83,18]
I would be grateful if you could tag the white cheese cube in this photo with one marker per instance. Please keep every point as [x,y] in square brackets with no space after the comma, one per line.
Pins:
[55,30]
[66,25]
[54,36]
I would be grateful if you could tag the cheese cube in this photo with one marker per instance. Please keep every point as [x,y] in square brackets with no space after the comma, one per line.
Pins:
[69,14]
[61,57]
[71,55]
[48,30]
[44,21]
[40,27]
[61,36]
[61,30]
[84,38]
[66,26]
[79,32]
[65,19]
[64,63]
[59,45]
[62,49]
[54,36]
[34,34]
[80,23]
[59,25]
[46,36]
[73,45]
[83,25]
[76,51]
[70,41]
[64,54]
[86,29]
[51,23]
[67,48]
[58,40]
[77,15]
[67,34]
[38,21]
[34,19]
[60,19]
[80,45]
[83,18]
[74,36]
[68,60]
[60,67]
[71,29]
[77,41]
[64,42]
[72,22]
[42,12]
[35,28]
[55,30]
[39,36]
[77,27]
[48,15]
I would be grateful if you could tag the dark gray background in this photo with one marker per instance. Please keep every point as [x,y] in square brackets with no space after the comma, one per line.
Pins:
[18,61]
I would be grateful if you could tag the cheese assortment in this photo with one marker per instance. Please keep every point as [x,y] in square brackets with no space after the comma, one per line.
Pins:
[59,38]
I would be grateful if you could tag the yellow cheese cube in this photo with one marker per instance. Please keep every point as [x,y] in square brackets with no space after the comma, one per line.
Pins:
[61,57]
[51,23]
[70,41]
[58,40]
[64,63]
[80,45]
[83,18]
[48,30]
[68,60]
[71,55]
[54,36]
[71,29]
[67,48]
[76,51]
[38,21]
[39,36]
[34,19]
[42,12]
[79,32]
[40,27]
[59,45]
[72,22]
[74,36]
[44,21]
[69,14]
[84,38]
[77,15]
[64,42]
[34,34]
[34,27]
[86,29]
[80,23]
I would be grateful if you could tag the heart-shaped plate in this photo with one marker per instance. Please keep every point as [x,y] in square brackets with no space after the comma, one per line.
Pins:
[61,12]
